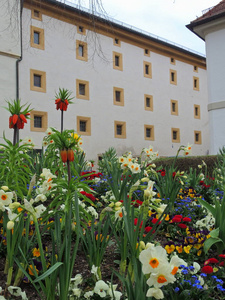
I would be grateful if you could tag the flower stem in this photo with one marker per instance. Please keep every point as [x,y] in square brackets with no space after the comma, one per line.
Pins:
[61,121]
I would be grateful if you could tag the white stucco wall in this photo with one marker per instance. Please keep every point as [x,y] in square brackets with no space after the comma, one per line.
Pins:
[10,51]
[215,49]
[58,60]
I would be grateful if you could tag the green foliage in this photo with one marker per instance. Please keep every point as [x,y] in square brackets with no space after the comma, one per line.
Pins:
[16,166]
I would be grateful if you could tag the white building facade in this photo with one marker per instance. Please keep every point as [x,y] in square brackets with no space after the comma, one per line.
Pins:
[211,28]
[130,90]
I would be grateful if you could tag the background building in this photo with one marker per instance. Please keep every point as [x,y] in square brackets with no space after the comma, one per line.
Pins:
[211,28]
[131,90]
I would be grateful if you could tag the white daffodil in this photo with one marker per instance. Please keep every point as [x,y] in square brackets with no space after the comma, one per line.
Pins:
[161,277]
[153,258]
[175,262]
[48,131]
[5,197]
[76,292]
[40,197]
[155,292]
[134,167]
[119,213]
[101,288]
[88,295]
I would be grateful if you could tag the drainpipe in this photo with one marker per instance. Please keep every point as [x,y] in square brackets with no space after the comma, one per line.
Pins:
[19,59]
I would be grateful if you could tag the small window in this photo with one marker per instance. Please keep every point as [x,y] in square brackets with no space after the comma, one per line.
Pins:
[173,77]
[147,69]
[175,135]
[38,121]
[197,111]
[146,52]
[198,137]
[195,69]
[37,81]
[118,97]
[81,30]
[174,107]
[196,83]
[82,89]
[148,102]
[37,38]
[117,42]
[172,61]
[120,129]
[81,50]
[83,125]
[36,14]
[117,61]
[149,132]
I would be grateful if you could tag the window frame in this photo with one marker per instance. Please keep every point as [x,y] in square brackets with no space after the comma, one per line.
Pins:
[195,83]
[43,115]
[83,32]
[177,130]
[195,68]
[175,113]
[146,52]
[41,44]
[152,134]
[150,108]
[85,51]
[172,61]
[87,120]
[43,81]
[146,63]
[199,142]
[121,90]
[174,72]
[198,115]
[86,95]
[120,57]
[123,135]
[115,43]
[39,18]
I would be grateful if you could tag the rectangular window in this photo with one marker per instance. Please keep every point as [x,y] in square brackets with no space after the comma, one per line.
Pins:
[173,77]
[81,51]
[175,135]
[83,125]
[37,81]
[146,52]
[198,137]
[120,129]
[36,14]
[38,121]
[174,107]
[197,111]
[117,61]
[148,102]
[37,38]
[147,69]
[196,83]
[81,30]
[195,69]
[172,61]
[118,97]
[82,89]
[117,42]
[149,132]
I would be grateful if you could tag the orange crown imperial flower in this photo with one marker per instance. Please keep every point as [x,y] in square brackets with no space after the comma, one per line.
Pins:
[63,99]
[19,114]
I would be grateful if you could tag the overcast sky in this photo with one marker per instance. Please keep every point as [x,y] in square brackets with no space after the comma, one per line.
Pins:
[164,18]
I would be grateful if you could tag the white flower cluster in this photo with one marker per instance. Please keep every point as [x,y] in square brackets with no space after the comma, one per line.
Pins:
[208,222]
[29,142]
[47,183]
[161,272]
[129,162]
[150,154]
[108,196]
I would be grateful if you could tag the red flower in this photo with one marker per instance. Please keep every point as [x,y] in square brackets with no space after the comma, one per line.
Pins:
[207,270]
[136,203]
[221,264]
[89,196]
[61,104]
[135,222]
[222,255]
[155,220]
[163,173]
[211,261]
[17,121]
[183,226]
[186,219]
[174,174]
[176,219]
[148,229]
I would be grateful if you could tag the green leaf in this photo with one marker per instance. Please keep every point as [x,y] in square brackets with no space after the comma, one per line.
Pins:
[211,241]
[48,272]
[214,233]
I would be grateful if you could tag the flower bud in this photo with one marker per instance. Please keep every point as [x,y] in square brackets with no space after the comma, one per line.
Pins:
[14,205]
[4,188]
[10,225]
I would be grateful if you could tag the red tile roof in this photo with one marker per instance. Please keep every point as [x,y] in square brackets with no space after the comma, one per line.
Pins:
[212,12]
